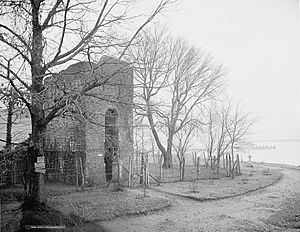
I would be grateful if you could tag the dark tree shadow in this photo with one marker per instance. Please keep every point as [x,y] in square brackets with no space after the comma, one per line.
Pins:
[40,214]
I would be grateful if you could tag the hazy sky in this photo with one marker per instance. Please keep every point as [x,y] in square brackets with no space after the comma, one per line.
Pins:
[258,41]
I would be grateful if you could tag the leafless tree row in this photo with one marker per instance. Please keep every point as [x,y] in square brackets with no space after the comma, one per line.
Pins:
[226,130]
[174,83]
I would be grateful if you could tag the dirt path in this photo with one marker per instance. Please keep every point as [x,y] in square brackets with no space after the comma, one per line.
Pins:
[244,213]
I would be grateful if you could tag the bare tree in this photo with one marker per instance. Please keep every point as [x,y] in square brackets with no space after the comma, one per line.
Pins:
[173,81]
[218,140]
[40,37]
[182,142]
[226,127]
[238,127]
[14,109]
[211,137]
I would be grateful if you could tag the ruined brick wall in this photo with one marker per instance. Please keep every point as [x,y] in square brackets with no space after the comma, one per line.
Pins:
[65,142]
[88,137]
[118,92]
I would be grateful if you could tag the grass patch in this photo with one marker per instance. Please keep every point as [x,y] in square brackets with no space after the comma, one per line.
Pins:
[106,204]
[42,217]
[289,214]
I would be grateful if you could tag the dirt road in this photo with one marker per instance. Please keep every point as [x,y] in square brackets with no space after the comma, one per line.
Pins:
[244,213]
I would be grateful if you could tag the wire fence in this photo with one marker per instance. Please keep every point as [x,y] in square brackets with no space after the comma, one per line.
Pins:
[140,169]
[189,168]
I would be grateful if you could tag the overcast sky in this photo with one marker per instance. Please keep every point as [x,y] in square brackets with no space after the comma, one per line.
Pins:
[258,41]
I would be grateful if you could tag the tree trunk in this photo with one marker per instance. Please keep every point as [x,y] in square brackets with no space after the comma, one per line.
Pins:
[167,161]
[165,153]
[218,165]
[168,155]
[10,109]
[36,187]
[180,169]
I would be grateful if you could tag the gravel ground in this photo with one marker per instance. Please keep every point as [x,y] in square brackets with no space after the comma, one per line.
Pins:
[249,212]
[289,214]
[106,204]
[139,210]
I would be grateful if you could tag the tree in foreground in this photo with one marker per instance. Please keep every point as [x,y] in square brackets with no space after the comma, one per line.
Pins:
[41,37]
[173,81]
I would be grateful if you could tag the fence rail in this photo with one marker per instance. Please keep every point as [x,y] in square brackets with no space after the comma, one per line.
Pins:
[131,171]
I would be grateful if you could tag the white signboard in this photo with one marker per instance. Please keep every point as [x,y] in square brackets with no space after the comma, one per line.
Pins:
[40,165]
[40,170]
[41,159]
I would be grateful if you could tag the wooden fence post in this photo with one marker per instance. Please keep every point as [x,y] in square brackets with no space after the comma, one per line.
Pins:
[195,158]
[238,164]
[180,170]
[234,170]
[129,172]
[64,175]
[205,160]
[146,172]
[119,172]
[161,169]
[14,173]
[214,161]
[76,169]
[137,161]
[142,169]
[183,166]
[226,163]
[198,168]
[82,173]
[233,166]
[229,162]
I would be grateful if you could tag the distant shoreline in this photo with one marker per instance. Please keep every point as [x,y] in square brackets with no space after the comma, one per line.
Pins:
[279,164]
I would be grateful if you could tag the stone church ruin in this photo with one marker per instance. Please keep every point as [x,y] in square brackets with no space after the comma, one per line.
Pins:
[94,131]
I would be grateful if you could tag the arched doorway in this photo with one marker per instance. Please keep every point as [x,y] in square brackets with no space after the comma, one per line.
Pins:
[111,144]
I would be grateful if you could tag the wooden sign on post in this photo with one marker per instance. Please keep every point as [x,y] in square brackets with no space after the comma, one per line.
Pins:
[41,159]
[39,166]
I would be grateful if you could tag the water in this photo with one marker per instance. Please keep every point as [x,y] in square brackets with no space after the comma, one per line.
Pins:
[287,152]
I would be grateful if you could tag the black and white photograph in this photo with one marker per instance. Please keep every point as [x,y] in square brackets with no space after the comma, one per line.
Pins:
[150,115]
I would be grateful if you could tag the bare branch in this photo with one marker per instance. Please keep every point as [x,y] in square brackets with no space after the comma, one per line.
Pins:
[83,42]
[52,13]
[19,37]
[165,66]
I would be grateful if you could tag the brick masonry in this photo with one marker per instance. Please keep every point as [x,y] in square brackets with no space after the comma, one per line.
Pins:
[83,134]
